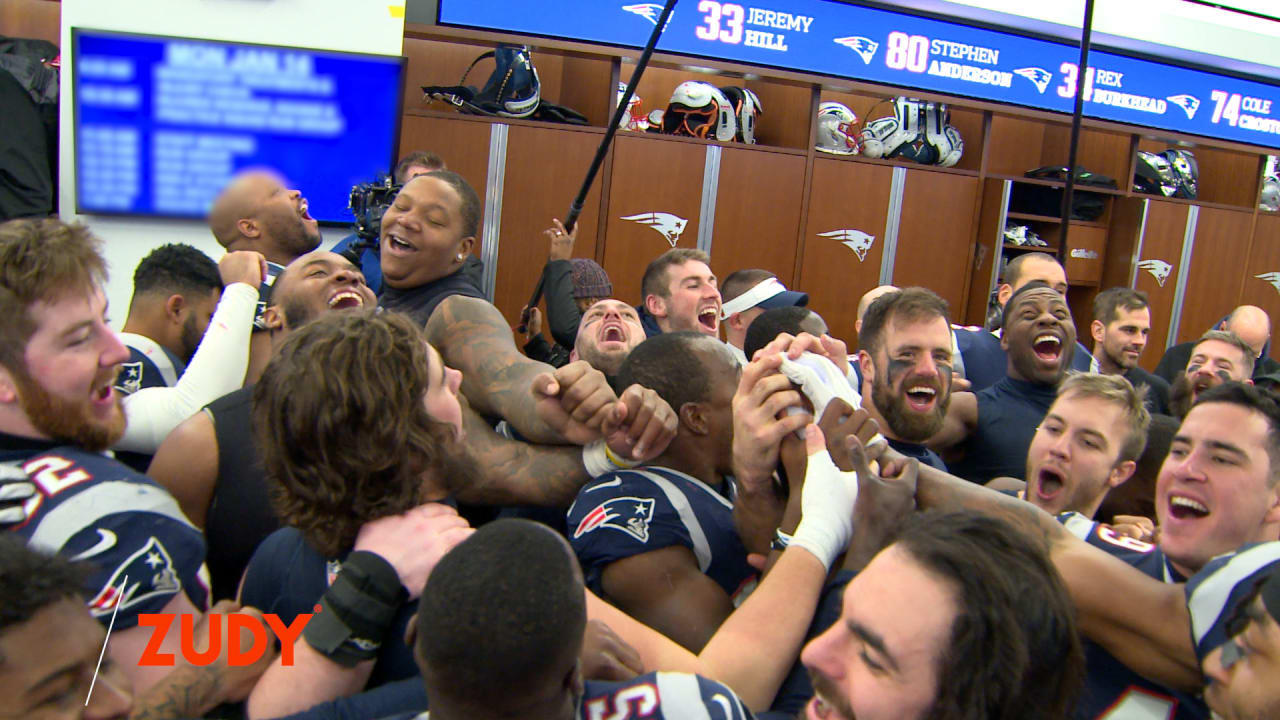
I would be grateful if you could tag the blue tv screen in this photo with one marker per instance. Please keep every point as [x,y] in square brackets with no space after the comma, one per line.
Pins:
[162,123]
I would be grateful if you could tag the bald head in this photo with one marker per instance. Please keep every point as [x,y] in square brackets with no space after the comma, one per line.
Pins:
[255,211]
[871,296]
[1251,323]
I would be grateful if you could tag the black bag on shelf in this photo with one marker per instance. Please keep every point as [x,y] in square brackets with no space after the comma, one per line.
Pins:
[1047,201]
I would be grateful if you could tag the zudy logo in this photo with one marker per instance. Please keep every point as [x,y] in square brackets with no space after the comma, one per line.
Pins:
[237,656]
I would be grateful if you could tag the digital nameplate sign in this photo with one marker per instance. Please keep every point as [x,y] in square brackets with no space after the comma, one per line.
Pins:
[163,123]
[879,46]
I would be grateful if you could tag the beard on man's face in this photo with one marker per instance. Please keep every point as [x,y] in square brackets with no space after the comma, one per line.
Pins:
[191,337]
[909,425]
[67,421]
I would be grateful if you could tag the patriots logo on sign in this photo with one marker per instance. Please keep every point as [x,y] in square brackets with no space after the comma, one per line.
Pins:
[668,225]
[147,573]
[1271,277]
[855,240]
[130,378]
[630,515]
[864,46]
[1189,104]
[1159,269]
[1038,77]
[648,11]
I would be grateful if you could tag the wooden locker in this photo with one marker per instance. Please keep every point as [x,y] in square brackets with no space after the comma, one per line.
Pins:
[935,234]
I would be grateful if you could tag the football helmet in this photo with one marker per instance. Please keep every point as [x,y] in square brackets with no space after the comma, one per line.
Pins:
[1185,172]
[1153,175]
[700,110]
[918,130]
[746,107]
[838,130]
[634,118]
[1270,194]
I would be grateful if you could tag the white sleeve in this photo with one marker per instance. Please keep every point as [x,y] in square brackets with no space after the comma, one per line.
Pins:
[217,368]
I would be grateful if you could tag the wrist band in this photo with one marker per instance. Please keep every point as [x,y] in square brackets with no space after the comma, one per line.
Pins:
[357,610]
[598,459]
[780,540]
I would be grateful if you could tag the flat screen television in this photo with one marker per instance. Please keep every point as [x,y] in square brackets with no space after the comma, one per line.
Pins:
[162,123]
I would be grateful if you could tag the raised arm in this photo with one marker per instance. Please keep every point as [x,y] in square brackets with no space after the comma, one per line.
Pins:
[1141,621]
[473,337]
[960,422]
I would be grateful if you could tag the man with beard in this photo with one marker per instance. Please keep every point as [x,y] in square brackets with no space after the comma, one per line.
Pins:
[255,211]
[1249,322]
[906,368]
[958,618]
[609,331]
[1219,356]
[58,412]
[1087,444]
[999,422]
[680,294]
[1217,493]
[172,312]
[1121,324]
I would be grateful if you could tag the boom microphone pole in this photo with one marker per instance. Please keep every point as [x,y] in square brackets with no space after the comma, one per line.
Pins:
[575,208]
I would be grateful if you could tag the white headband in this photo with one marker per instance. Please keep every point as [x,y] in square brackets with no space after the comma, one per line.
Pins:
[764,290]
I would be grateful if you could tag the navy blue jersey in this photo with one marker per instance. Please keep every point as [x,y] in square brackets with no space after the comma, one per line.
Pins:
[630,512]
[286,576]
[89,507]
[919,452]
[150,365]
[656,696]
[1111,689]
[1214,593]
[264,294]
[1008,414]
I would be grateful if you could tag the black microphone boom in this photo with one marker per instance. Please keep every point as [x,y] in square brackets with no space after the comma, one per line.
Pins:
[575,208]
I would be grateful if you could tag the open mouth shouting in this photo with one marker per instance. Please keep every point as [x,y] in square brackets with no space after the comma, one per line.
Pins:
[709,319]
[1049,483]
[612,331]
[346,299]
[302,210]
[1048,348]
[1183,508]
[397,245]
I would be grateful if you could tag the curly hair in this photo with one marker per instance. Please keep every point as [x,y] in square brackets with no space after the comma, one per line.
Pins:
[31,580]
[176,268]
[344,433]
[41,261]
[1014,653]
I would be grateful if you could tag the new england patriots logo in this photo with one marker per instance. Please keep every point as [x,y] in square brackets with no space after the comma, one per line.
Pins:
[864,46]
[649,11]
[147,573]
[1271,277]
[856,240]
[630,515]
[1159,269]
[1188,103]
[129,381]
[668,225]
[1038,77]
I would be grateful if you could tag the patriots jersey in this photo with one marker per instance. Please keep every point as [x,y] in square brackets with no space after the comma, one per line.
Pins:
[656,696]
[1214,593]
[264,294]
[149,365]
[630,512]
[1111,690]
[142,549]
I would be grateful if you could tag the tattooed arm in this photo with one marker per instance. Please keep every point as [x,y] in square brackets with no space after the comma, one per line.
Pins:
[1141,621]
[188,691]
[510,472]
[473,337]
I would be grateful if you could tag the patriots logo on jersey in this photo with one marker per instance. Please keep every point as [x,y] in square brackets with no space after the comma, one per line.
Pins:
[1271,277]
[129,381]
[856,240]
[1038,77]
[147,573]
[864,46]
[668,225]
[1189,104]
[648,11]
[1159,269]
[630,515]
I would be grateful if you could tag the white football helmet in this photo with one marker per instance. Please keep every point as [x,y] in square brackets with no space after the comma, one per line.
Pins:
[917,130]
[634,118]
[699,109]
[747,107]
[837,130]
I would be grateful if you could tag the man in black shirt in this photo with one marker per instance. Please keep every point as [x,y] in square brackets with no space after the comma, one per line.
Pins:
[1121,325]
